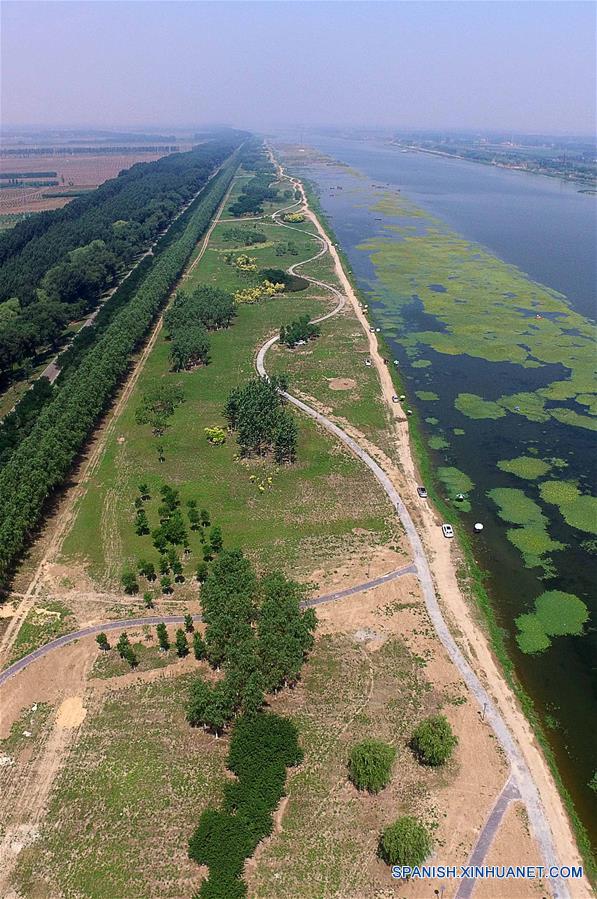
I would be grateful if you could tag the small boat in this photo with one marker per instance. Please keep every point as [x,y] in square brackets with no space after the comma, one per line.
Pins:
[478,527]
[460,497]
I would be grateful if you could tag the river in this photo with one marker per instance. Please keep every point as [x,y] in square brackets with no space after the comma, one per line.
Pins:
[547,229]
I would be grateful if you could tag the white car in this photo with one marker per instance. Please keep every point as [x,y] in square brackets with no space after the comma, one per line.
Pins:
[447,530]
[372,330]
[395,399]
[367,361]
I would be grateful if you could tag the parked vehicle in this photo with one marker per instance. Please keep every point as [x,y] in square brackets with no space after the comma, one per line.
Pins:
[422,492]
[447,530]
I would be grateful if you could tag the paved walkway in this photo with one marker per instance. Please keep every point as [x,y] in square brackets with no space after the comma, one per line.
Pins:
[477,857]
[124,623]
[520,772]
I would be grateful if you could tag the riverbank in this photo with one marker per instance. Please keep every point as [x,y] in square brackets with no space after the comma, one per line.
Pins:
[458,607]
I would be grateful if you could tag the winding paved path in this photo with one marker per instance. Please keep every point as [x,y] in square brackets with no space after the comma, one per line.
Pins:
[521,776]
[124,623]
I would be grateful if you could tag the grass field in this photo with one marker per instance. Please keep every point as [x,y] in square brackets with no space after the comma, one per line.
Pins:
[121,814]
[322,507]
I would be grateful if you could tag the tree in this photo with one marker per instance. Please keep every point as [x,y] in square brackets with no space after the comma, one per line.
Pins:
[207,552]
[406,842]
[126,651]
[190,347]
[177,571]
[166,584]
[205,520]
[141,523]
[182,645]
[148,600]
[215,538]
[199,647]
[370,765]
[129,582]
[162,633]
[164,565]
[158,405]
[102,641]
[285,634]
[146,569]
[188,623]
[144,491]
[300,330]
[159,539]
[433,740]
[202,572]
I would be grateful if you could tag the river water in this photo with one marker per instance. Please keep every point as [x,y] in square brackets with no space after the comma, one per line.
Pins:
[548,230]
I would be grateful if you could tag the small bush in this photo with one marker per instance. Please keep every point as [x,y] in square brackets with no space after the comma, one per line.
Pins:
[406,842]
[370,765]
[433,740]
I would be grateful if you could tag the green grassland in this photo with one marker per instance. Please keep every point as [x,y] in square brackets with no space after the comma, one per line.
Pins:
[125,805]
[323,506]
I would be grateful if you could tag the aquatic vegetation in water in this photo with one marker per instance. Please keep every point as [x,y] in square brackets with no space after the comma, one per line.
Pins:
[474,406]
[579,510]
[530,405]
[492,311]
[531,538]
[458,431]
[525,467]
[390,203]
[428,396]
[556,614]
[437,443]
[421,363]
[456,482]
[432,421]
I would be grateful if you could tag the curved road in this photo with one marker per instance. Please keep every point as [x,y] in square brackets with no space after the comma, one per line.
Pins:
[521,776]
[124,623]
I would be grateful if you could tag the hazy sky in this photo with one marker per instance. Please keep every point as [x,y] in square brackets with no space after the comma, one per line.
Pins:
[517,65]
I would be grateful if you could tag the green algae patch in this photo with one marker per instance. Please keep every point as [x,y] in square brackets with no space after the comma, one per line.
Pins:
[557,614]
[579,510]
[438,443]
[525,467]
[531,538]
[428,396]
[432,421]
[569,417]
[490,310]
[421,363]
[391,204]
[456,482]
[459,432]
[474,406]
[531,405]
[515,507]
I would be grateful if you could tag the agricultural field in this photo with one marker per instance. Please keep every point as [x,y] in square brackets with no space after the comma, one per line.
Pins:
[74,174]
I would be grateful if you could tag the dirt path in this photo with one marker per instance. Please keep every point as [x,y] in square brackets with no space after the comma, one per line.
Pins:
[548,819]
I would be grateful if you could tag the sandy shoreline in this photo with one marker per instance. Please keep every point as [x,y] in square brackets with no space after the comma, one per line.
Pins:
[455,606]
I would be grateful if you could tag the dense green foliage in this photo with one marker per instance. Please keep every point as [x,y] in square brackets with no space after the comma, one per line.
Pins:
[261,748]
[292,283]
[261,420]
[189,319]
[256,631]
[258,190]
[57,264]
[298,331]
[433,740]
[43,459]
[406,842]
[370,765]
[243,236]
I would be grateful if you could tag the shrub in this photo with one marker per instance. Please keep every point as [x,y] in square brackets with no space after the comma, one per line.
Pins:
[406,842]
[370,765]
[433,740]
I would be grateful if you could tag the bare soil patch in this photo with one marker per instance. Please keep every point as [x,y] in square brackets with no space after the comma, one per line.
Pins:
[342,383]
